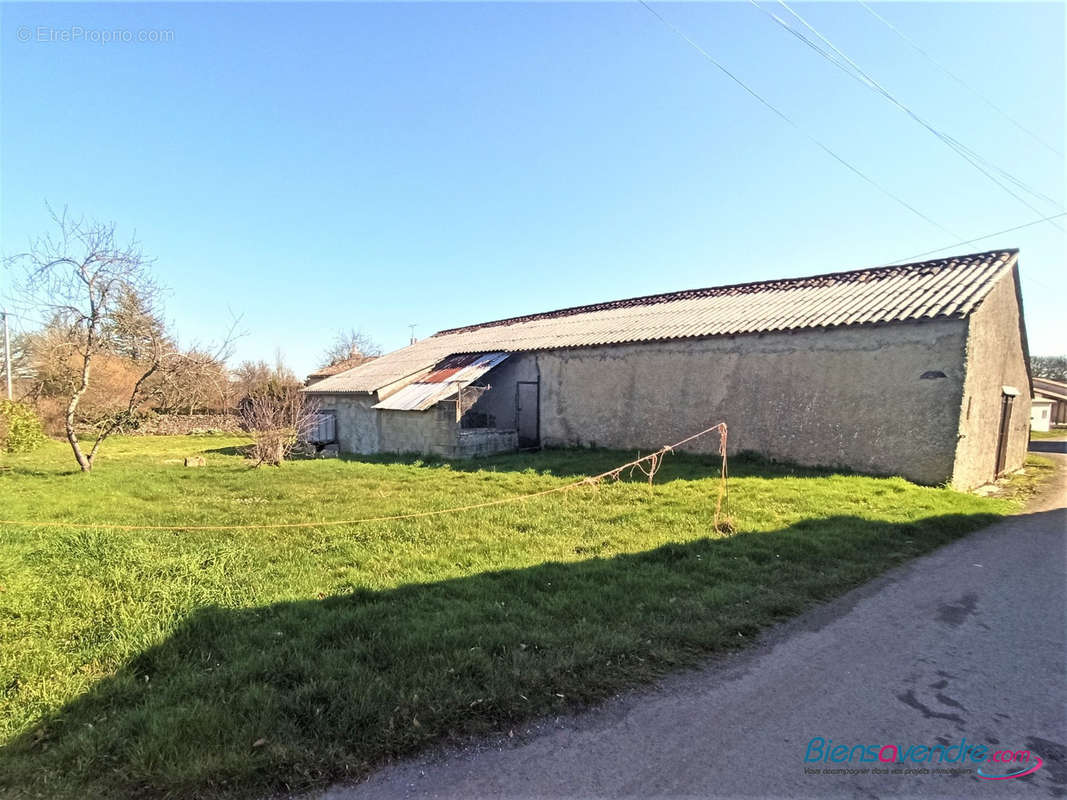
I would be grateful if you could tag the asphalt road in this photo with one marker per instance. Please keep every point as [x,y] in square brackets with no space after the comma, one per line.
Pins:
[969,642]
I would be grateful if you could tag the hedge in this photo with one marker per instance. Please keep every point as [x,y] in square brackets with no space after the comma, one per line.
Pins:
[20,428]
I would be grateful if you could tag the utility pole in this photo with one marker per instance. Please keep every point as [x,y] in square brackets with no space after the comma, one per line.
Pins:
[7,354]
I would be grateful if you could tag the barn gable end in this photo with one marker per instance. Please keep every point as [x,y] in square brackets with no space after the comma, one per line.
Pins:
[997,360]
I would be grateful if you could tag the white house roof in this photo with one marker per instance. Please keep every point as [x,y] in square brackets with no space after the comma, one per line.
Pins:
[944,288]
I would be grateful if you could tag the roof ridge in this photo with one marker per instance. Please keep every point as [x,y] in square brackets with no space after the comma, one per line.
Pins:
[740,288]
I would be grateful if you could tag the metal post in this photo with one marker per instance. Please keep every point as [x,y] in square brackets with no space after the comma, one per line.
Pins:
[7,354]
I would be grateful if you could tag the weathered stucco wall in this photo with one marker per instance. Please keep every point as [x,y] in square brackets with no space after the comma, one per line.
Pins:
[850,397]
[357,422]
[433,431]
[996,357]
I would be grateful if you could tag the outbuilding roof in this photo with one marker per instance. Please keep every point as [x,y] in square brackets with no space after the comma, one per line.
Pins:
[1055,390]
[944,288]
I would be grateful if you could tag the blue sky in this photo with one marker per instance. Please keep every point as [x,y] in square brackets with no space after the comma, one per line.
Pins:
[317,167]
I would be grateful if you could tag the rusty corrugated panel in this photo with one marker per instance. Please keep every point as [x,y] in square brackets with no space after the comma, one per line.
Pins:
[945,288]
[441,383]
[448,368]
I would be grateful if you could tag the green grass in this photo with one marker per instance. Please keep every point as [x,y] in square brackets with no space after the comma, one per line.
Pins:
[236,663]
[1055,433]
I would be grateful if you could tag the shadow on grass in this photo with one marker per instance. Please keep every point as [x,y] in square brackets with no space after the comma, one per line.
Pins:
[241,702]
[233,450]
[37,472]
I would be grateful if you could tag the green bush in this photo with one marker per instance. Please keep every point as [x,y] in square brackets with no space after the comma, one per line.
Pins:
[20,428]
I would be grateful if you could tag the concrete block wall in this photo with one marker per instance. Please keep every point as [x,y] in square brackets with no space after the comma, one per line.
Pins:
[431,432]
[485,442]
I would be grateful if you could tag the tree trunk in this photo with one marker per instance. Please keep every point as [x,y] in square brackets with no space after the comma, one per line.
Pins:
[86,463]
[83,462]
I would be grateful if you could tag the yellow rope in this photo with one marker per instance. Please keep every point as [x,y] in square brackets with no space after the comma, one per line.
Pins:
[590,481]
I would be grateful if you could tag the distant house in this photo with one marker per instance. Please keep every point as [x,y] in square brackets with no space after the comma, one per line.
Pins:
[1056,391]
[353,361]
[1039,413]
[918,370]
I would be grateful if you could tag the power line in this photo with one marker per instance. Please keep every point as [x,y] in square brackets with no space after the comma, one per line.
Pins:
[980,163]
[24,318]
[979,238]
[959,80]
[678,32]
[853,70]
[856,72]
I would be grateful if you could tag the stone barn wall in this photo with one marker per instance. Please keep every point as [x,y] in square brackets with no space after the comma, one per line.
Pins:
[853,397]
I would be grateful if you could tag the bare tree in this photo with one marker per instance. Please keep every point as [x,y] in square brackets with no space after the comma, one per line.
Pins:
[196,379]
[103,304]
[247,377]
[350,344]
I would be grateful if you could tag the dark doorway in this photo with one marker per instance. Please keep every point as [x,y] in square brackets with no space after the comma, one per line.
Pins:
[527,413]
[1007,400]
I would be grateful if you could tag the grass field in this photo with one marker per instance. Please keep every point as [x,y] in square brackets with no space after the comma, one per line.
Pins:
[236,663]
[1055,433]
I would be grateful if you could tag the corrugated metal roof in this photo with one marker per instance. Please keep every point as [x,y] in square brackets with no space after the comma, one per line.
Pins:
[443,382]
[950,287]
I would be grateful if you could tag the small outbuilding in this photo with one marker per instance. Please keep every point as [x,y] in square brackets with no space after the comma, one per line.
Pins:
[1040,413]
[918,370]
[1055,391]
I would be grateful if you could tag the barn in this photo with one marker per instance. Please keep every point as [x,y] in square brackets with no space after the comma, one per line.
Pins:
[919,370]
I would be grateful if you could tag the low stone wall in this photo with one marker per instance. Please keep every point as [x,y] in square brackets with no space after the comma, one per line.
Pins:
[486,441]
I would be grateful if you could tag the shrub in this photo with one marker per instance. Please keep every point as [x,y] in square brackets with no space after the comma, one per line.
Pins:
[20,428]
[277,415]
